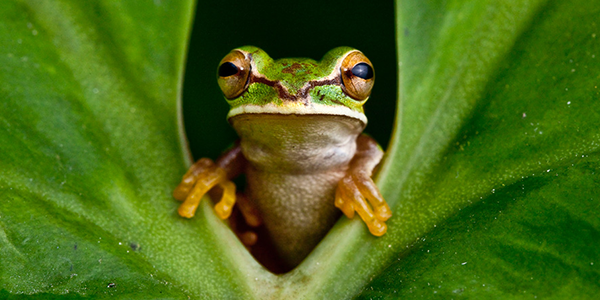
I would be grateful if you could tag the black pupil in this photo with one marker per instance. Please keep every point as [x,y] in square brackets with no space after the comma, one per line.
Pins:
[363,71]
[227,69]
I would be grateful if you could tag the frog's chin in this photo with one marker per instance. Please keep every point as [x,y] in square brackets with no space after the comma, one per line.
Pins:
[297,144]
[298,109]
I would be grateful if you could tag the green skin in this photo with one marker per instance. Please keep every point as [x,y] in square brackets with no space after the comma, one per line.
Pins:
[298,134]
[293,74]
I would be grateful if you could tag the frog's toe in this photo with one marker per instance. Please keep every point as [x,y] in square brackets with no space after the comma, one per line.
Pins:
[369,190]
[184,188]
[225,206]
[352,194]
[239,224]
[202,177]
[248,238]
[249,211]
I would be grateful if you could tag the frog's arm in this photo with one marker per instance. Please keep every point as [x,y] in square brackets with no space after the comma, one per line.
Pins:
[232,161]
[357,186]
[204,175]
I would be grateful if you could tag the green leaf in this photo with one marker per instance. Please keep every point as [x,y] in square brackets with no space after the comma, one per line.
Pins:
[512,109]
[532,239]
[491,171]
[89,153]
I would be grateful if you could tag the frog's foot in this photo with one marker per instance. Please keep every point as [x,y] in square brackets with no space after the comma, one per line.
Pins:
[244,232]
[350,197]
[249,212]
[199,179]
[245,220]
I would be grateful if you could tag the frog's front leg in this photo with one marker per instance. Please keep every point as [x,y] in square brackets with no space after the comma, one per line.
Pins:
[357,186]
[203,176]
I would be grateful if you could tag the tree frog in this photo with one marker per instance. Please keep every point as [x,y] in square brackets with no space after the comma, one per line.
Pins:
[301,148]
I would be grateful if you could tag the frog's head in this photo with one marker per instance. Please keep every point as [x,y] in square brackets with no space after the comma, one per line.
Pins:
[254,83]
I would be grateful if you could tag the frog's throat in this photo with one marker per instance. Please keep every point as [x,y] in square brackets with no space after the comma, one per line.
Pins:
[297,109]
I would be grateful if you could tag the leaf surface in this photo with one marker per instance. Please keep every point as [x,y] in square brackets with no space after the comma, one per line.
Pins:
[491,171]
[516,175]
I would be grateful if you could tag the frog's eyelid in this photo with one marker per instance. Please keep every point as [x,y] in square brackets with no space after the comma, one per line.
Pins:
[250,68]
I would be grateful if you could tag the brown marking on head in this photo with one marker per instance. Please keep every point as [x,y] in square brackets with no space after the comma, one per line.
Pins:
[283,93]
[292,69]
[314,83]
[335,101]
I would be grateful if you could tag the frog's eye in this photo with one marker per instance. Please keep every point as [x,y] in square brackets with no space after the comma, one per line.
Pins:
[233,74]
[358,75]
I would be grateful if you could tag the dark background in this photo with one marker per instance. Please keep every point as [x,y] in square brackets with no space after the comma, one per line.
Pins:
[284,29]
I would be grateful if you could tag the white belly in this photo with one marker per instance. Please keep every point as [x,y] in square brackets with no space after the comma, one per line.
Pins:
[295,163]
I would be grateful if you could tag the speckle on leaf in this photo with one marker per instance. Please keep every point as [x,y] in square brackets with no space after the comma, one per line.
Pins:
[134,246]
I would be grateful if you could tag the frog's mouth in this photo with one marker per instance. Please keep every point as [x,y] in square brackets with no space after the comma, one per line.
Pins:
[291,108]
